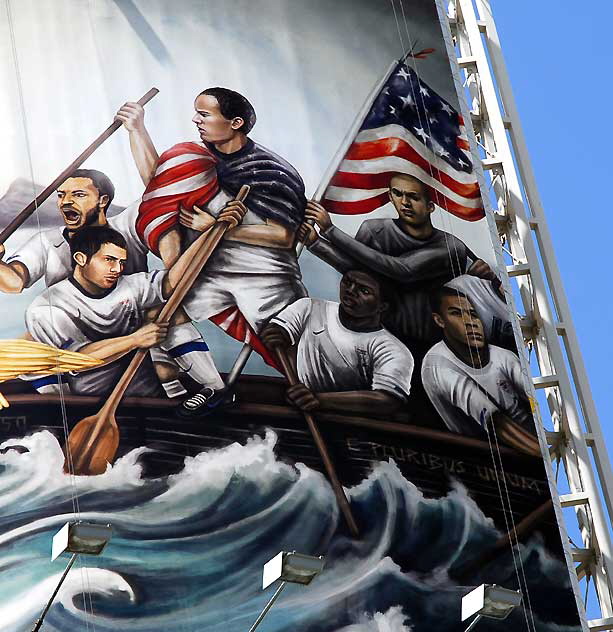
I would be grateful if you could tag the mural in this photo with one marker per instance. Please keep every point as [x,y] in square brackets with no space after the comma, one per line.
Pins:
[225,349]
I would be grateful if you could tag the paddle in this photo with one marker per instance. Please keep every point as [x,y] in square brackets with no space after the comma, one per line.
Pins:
[339,492]
[77,162]
[93,442]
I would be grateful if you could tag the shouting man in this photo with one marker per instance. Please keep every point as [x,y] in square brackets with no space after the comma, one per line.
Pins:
[254,272]
[83,199]
[346,360]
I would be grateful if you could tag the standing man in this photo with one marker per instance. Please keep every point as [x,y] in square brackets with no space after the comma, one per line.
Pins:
[408,250]
[471,383]
[254,272]
[346,360]
[83,199]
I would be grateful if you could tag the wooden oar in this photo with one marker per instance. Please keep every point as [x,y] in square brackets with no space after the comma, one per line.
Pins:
[77,162]
[93,442]
[339,492]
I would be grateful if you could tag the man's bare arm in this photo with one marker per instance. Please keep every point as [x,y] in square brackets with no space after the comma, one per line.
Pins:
[14,276]
[112,349]
[146,158]
[272,234]
[360,402]
[232,214]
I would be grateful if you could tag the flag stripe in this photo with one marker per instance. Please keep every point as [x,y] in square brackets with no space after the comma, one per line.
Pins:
[349,176]
[400,148]
[396,131]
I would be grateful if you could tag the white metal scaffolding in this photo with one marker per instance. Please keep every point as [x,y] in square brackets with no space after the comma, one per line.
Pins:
[576,437]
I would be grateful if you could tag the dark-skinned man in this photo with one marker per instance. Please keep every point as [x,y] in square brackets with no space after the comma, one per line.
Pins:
[407,250]
[472,384]
[83,199]
[346,360]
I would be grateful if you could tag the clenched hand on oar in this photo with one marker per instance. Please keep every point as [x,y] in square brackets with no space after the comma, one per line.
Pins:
[93,442]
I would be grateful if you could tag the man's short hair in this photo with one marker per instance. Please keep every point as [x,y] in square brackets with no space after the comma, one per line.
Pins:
[232,104]
[89,239]
[100,180]
[424,188]
[436,298]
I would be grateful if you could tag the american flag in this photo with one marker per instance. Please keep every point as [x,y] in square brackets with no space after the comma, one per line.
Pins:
[408,129]
[185,176]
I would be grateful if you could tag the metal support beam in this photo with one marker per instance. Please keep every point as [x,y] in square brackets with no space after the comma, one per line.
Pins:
[547,325]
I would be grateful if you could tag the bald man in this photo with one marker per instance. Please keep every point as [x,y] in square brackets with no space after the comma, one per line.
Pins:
[408,250]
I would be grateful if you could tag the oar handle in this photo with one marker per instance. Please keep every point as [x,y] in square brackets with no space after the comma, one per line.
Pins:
[339,492]
[77,162]
[209,241]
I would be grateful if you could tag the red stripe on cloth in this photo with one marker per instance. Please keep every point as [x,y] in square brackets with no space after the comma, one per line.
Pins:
[151,209]
[462,144]
[184,148]
[400,148]
[460,119]
[180,172]
[235,324]
[359,207]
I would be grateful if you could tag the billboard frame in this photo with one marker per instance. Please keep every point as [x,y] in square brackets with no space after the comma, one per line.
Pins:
[474,48]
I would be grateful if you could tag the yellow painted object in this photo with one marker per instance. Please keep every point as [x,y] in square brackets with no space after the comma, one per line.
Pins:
[35,358]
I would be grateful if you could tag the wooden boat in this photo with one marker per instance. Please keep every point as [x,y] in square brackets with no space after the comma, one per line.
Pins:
[429,457]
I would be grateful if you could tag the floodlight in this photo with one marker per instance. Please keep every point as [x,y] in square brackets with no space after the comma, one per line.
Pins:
[85,538]
[294,568]
[489,600]
[77,538]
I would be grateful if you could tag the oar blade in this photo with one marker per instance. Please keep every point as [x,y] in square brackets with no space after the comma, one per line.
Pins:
[91,446]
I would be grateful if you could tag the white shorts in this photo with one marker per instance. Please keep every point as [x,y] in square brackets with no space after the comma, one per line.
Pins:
[259,281]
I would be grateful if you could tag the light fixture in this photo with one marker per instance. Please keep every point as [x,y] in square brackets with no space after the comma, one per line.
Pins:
[79,537]
[293,567]
[489,600]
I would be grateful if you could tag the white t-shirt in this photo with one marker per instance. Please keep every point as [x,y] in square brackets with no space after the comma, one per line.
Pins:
[68,317]
[47,254]
[493,312]
[453,388]
[334,358]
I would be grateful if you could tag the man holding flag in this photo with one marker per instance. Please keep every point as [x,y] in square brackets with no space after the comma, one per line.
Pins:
[408,148]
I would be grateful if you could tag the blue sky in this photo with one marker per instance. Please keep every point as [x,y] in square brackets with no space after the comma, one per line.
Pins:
[559,59]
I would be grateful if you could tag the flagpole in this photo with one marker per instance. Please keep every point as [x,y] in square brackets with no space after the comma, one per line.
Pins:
[350,135]
[243,356]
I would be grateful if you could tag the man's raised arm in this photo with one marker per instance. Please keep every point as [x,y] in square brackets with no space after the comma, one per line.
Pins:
[132,115]
[14,276]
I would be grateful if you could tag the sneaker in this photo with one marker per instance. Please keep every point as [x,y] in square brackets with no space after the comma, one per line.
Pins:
[205,402]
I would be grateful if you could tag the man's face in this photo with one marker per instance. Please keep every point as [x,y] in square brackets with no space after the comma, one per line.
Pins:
[460,322]
[105,266]
[212,126]
[360,295]
[409,199]
[80,202]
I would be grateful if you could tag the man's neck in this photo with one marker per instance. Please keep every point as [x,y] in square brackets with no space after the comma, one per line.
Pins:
[471,356]
[230,146]
[363,324]
[422,232]
[88,286]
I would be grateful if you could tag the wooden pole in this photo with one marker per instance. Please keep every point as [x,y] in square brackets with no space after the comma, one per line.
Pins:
[339,492]
[77,162]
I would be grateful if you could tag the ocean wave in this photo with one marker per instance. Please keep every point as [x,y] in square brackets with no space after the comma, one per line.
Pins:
[187,550]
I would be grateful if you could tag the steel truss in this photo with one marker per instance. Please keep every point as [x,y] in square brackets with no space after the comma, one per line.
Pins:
[547,327]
